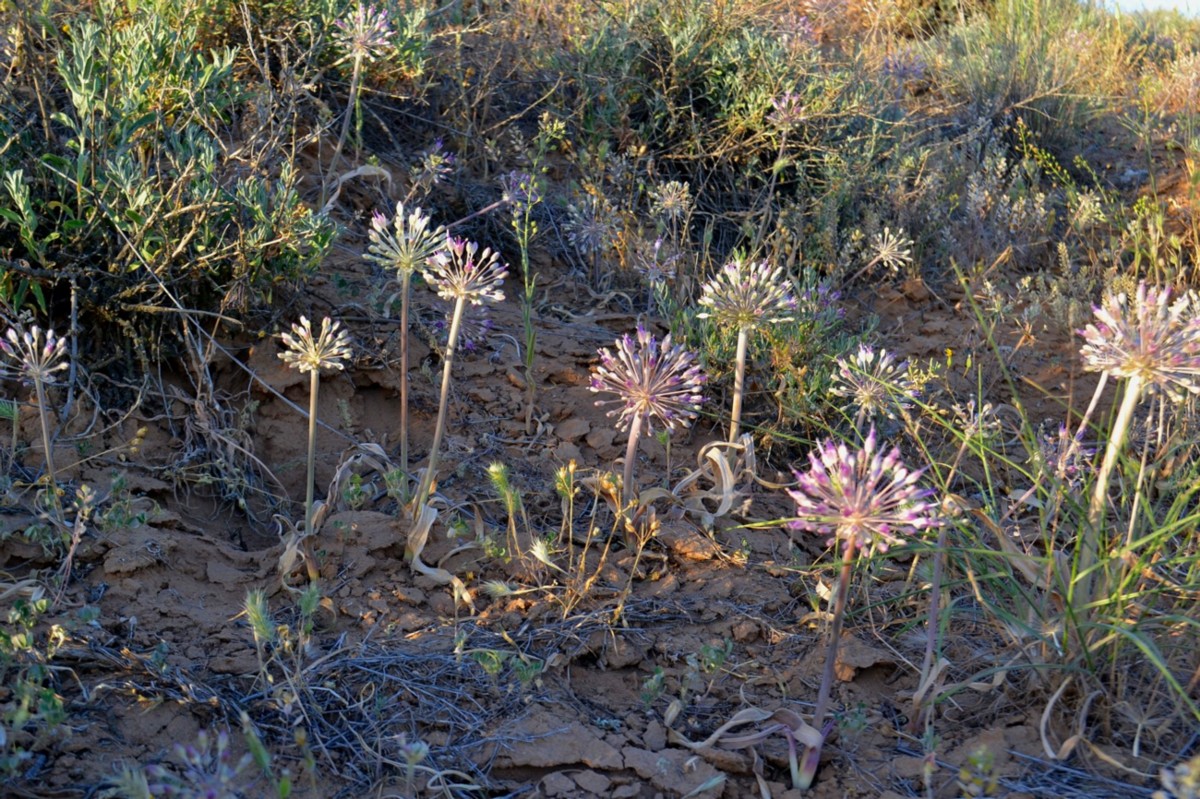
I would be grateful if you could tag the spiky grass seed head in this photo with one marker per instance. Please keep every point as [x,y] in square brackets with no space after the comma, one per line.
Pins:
[747,294]
[864,498]
[652,380]
[303,352]
[462,271]
[1152,337]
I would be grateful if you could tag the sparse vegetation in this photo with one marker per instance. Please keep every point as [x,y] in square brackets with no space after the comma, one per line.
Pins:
[968,229]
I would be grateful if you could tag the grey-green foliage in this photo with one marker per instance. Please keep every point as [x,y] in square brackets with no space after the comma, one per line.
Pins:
[130,182]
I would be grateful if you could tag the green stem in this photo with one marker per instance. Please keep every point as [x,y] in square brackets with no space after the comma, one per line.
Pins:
[405,281]
[739,382]
[1090,543]
[627,488]
[354,83]
[314,383]
[50,473]
[426,485]
[813,755]
[933,625]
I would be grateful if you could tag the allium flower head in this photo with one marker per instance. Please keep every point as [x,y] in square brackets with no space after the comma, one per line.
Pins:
[592,224]
[787,111]
[330,350]
[874,382]
[656,262]
[434,166]
[1063,456]
[976,420]
[38,355]
[461,270]
[366,34]
[893,249]
[747,294]
[1153,338]
[651,381]
[863,498]
[409,242]
[473,331]
[520,191]
[671,200]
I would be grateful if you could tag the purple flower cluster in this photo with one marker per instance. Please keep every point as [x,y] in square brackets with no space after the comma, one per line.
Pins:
[905,66]
[37,356]
[863,498]
[409,242]
[787,111]
[520,191]
[747,294]
[651,381]
[462,271]
[874,382]
[1064,456]
[366,34]
[1153,338]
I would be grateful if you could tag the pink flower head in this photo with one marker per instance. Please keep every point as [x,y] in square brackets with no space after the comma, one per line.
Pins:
[651,381]
[37,353]
[747,294]
[462,270]
[1153,338]
[863,498]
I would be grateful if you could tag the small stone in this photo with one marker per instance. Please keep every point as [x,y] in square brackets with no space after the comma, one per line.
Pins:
[853,655]
[655,737]
[687,544]
[558,784]
[593,781]
[626,792]
[744,631]
[601,437]
[572,428]
[566,452]
[908,768]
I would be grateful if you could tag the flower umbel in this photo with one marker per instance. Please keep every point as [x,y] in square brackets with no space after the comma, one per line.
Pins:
[462,270]
[864,498]
[874,382]
[893,250]
[408,245]
[37,353]
[366,34]
[651,381]
[434,166]
[671,201]
[787,111]
[747,294]
[330,350]
[1153,338]
[592,225]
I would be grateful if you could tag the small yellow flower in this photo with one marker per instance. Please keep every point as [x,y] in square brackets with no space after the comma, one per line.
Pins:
[330,350]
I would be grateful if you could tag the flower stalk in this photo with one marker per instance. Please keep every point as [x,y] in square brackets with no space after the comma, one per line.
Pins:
[1153,341]
[863,499]
[38,356]
[652,380]
[306,353]
[745,295]
[464,274]
[407,246]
